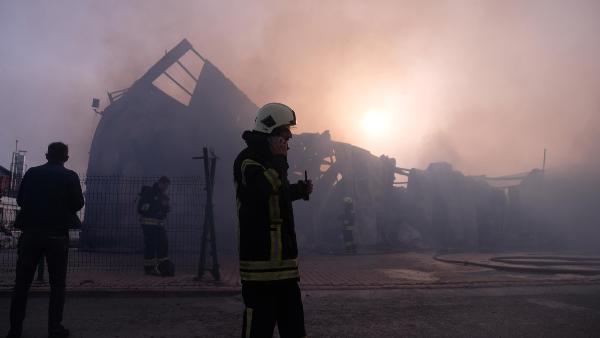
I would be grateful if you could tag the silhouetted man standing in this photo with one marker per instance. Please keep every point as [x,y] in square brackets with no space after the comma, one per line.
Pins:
[49,197]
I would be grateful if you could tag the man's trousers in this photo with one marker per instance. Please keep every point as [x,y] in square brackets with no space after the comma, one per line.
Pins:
[31,248]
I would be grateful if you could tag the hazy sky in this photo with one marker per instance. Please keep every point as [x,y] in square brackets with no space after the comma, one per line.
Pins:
[485,85]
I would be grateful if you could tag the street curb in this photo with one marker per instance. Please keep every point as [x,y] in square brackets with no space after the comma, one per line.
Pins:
[120,292]
[234,291]
[585,272]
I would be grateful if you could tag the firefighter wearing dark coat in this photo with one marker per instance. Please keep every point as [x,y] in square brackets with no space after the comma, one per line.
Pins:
[153,207]
[267,248]
[347,218]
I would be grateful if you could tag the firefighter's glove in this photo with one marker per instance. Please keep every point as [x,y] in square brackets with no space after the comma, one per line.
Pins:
[306,188]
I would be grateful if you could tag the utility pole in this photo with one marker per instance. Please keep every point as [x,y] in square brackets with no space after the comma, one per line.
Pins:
[208,229]
[544,162]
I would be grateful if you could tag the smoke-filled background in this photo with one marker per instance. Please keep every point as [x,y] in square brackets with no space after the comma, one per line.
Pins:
[484,85]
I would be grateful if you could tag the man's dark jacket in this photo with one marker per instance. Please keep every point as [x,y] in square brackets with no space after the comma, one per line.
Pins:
[268,249]
[49,196]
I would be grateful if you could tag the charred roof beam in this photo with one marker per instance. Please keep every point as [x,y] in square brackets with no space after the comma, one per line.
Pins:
[177,83]
[402,171]
[171,57]
[187,71]
[115,95]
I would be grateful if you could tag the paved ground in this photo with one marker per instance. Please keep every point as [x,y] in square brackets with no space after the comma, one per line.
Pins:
[377,295]
[548,311]
[331,272]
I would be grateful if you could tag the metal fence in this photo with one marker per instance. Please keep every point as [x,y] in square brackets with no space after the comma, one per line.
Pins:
[110,237]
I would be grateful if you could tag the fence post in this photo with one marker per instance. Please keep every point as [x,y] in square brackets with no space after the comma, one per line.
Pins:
[40,270]
[208,229]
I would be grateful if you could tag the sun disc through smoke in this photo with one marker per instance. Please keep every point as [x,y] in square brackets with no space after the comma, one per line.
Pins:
[375,123]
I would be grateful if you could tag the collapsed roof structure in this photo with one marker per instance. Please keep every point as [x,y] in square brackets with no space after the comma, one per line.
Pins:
[183,103]
[155,127]
[180,105]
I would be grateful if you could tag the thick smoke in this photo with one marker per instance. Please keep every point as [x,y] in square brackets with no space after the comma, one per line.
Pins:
[485,85]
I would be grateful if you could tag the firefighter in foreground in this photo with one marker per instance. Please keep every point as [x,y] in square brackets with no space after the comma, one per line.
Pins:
[348,226]
[153,207]
[268,250]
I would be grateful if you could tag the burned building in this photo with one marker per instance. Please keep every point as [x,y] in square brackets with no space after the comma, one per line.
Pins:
[158,124]
[556,209]
[342,170]
[155,127]
[454,211]
[184,103]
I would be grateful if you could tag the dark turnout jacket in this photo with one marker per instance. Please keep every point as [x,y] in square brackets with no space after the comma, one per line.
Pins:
[49,196]
[268,249]
[153,204]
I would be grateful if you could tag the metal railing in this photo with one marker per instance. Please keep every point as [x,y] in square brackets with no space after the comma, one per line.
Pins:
[110,237]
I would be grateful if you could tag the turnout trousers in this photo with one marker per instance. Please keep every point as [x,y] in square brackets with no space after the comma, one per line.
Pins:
[272,303]
[156,245]
[32,247]
[349,245]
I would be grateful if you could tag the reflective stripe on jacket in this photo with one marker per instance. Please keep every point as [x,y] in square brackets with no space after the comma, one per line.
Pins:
[150,221]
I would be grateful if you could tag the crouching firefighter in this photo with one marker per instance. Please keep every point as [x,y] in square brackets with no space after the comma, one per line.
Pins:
[267,238]
[153,207]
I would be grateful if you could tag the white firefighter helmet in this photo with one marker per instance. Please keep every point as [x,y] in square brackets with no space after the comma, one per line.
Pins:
[348,200]
[273,115]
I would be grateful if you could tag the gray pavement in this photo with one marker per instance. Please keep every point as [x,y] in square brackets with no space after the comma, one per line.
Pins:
[375,295]
[534,311]
[331,272]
